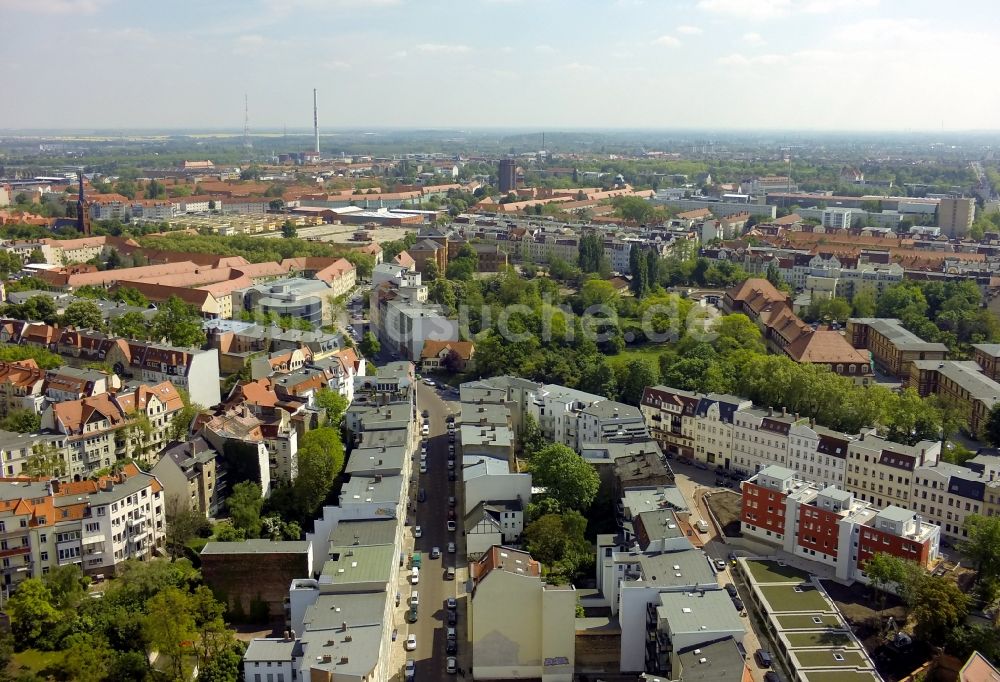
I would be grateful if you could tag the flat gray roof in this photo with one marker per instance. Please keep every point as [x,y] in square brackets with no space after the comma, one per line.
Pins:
[367,489]
[708,611]
[901,337]
[711,662]
[357,564]
[376,460]
[363,532]
[692,565]
[264,649]
[257,546]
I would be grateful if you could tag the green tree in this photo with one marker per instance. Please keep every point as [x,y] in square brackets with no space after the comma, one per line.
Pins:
[131,296]
[288,230]
[983,545]
[178,322]
[83,315]
[85,657]
[46,460]
[36,257]
[245,504]
[565,476]
[991,429]
[131,325]
[939,607]
[31,612]
[634,377]
[321,459]
[183,525]
[531,438]
[169,626]
[558,541]
[737,332]
[369,345]
[431,272]
[774,275]
[335,405]
[863,304]
[21,421]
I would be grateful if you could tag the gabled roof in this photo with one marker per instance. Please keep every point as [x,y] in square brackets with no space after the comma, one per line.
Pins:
[431,349]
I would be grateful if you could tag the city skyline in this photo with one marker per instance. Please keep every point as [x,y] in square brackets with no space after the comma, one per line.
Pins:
[838,65]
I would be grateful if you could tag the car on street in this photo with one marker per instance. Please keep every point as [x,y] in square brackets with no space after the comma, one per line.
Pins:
[411,669]
[451,548]
[451,501]
[732,558]
[425,429]
[423,457]
[451,437]
[451,603]
[425,414]
[423,467]
[452,527]
[418,531]
[450,573]
[451,633]
[435,552]
[771,676]
[763,658]
[452,618]
[731,589]
[411,642]
[451,463]
[720,565]
[451,514]
[451,474]
[451,665]
[450,419]
[738,603]
[422,495]
[451,647]
[429,382]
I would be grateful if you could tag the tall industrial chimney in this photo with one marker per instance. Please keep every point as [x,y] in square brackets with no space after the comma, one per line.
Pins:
[315,121]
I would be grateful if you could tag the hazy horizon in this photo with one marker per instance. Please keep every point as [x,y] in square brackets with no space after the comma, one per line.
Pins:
[774,66]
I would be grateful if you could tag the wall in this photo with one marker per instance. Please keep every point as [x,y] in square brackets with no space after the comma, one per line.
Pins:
[254,576]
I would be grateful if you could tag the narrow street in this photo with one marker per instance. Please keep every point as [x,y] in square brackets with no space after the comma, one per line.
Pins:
[432,518]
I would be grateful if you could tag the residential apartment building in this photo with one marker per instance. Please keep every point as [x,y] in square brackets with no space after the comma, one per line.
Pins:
[21,386]
[830,525]
[955,216]
[785,333]
[194,370]
[191,477]
[893,348]
[946,495]
[987,356]
[609,421]
[837,218]
[94,433]
[97,524]
[520,627]
[959,382]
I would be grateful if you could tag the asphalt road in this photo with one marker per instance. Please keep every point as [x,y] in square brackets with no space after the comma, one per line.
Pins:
[432,517]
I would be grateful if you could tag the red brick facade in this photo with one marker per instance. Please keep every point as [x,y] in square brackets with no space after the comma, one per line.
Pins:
[763,508]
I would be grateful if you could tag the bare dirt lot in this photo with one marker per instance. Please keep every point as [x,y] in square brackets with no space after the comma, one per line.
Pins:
[726,507]
[860,608]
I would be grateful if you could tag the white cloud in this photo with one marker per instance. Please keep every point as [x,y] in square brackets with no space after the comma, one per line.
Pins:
[753,39]
[54,6]
[545,49]
[737,59]
[689,30]
[442,48]
[770,9]
[667,41]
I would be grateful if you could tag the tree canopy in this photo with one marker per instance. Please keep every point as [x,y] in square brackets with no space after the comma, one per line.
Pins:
[566,477]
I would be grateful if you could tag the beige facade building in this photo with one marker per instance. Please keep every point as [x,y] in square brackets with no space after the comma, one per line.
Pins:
[520,627]
[955,216]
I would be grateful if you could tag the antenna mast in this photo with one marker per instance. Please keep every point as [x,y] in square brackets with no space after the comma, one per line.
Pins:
[315,122]
[246,123]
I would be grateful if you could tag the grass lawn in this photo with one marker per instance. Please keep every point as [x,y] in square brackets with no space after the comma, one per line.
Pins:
[35,661]
[800,622]
[784,598]
[770,572]
[804,640]
[825,659]
[841,676]
[649,352]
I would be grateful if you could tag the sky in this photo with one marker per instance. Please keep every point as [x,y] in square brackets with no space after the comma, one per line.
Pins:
[901,65]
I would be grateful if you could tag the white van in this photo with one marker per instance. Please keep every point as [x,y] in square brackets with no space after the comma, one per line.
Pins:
[701,525]
[414,575]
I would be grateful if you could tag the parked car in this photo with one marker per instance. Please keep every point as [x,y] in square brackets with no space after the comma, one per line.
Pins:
[451,603]
[450,633]
[763,658]
[418,531]
[425,414]
[451,665]
[452,526]
[450,573]
[451,474]
[429,382]
[731,589]
[771,676]
[451,548]
[451,647]
[415,599]
[435,552]
[720,565]
[411,642]
[422,495]
[411,669]
[452,618]
[423,467]
[738,604]
[451,501]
